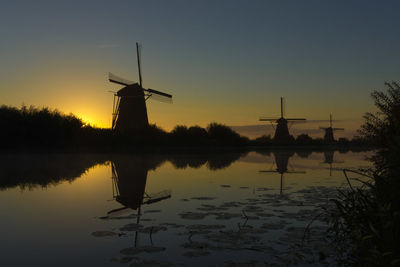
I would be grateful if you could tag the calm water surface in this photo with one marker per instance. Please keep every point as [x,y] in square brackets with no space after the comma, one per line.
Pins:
[206,209]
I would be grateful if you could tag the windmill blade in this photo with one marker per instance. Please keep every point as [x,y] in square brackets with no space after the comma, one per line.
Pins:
[116,79]
[295,119]
[323,128]
[268,171]
[268,119]
[165,194]
[118,212]
[152,91]
[159,98]
[338,129]
[296,172]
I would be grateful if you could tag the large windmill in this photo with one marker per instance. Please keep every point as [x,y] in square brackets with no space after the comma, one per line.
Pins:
[282,130]
[328,137]
[129,107]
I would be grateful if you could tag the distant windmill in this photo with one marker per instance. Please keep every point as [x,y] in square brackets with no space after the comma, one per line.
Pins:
[328,137]
[282,162]
[282,130]
[129,107]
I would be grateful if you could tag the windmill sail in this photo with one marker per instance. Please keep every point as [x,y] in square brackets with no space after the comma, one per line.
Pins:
[116,79]
[152,91]
[159,96]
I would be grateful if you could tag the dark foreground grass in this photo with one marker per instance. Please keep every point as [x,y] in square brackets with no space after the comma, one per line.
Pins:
[365,220]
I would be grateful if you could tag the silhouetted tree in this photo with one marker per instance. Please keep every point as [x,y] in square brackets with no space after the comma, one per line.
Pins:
[367,219]
[304,139]
[222,134]
[383,126]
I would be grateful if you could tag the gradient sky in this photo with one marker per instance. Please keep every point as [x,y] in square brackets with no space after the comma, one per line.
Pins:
[224,61]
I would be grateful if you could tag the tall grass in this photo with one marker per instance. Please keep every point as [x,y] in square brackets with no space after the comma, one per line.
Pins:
[365,220]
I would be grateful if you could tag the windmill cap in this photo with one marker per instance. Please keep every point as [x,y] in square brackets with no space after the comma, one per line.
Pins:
[131,90]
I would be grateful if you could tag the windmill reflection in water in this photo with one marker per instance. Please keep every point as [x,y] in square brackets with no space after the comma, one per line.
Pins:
[129,176]
[281,161]
[329,159]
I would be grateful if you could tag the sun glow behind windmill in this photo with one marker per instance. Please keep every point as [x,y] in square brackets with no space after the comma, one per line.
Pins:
[282,130]
[129,104]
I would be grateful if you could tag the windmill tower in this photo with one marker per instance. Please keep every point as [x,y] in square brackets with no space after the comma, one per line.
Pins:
[282,161]
[129,106]
[328,137]
[282,130]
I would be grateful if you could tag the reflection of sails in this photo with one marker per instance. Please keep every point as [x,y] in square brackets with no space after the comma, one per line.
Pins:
[282,161]
[129,176]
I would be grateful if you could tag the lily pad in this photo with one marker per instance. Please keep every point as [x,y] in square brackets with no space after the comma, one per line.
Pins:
[137,250]
[152,211]
[226,215]
[263,214]
[273,226]
[196,253]
[152,229]
[205,226]
[193,215]
[204,198]
[131,227]
[103,233]
[172,225]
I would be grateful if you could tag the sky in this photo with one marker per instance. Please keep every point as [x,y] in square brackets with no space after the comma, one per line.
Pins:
[223,61]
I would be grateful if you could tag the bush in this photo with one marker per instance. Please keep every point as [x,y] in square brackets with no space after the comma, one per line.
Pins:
[366,220]
[222,134]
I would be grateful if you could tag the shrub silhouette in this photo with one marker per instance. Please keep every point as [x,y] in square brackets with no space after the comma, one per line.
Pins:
[304,139]
[36,126]
[44,128]
[367,219]
[223,134]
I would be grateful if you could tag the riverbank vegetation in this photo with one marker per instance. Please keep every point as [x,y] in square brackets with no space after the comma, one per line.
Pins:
[32,128]
[365,220]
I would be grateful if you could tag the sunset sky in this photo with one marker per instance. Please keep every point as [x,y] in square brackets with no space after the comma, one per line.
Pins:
[223,61]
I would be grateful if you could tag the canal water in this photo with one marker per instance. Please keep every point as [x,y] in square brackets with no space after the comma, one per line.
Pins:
[198,209]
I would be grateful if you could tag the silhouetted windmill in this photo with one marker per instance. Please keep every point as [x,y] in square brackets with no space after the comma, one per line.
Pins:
[282,130]
[281,162]
[328,137]
[129,107]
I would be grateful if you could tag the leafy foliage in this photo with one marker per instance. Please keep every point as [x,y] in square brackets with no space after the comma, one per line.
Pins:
[365,220]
